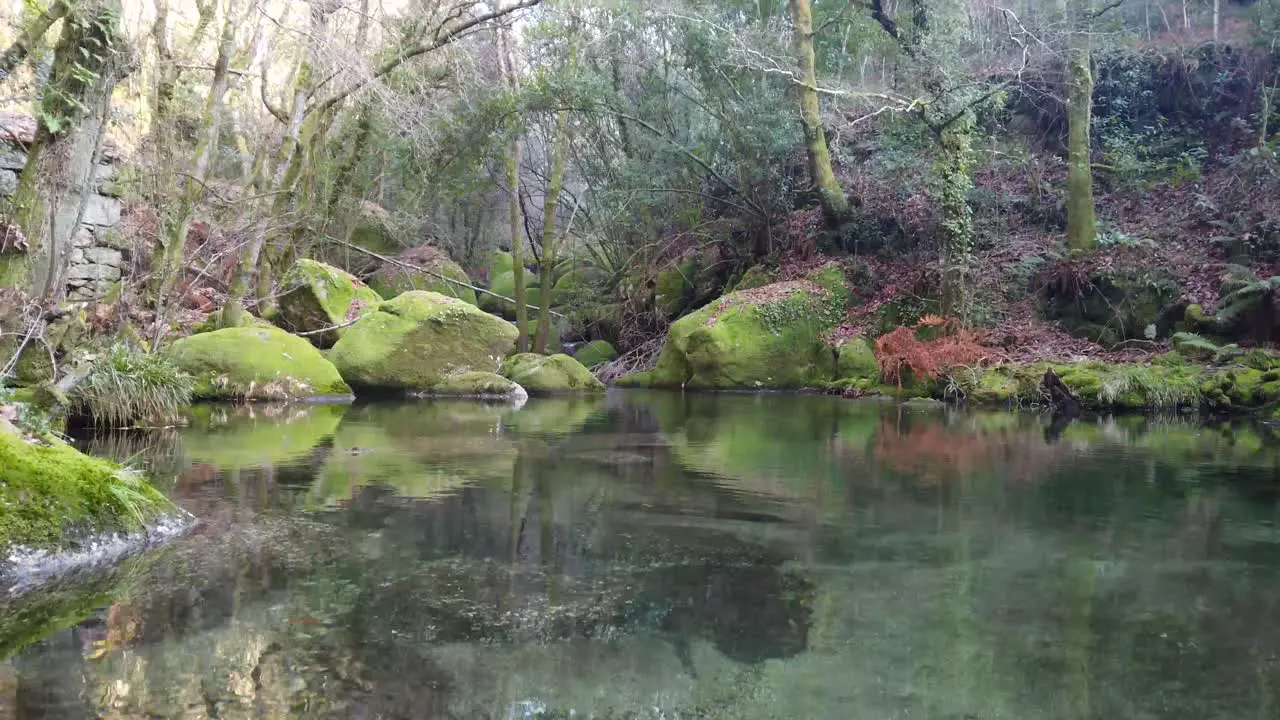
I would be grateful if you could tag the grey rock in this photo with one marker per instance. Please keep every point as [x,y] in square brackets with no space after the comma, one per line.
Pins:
[83,238]
[8,182]
[103,256]
[94,272]
[102,211]
[104,181]
[12,158]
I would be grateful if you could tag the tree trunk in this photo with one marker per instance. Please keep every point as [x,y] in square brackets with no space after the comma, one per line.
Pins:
[178,222]
[58,176]
[552,201]
[513,208]
[830,195]
[1217,14]
[957,218]
[30,36]
[554,185]
[1082,219]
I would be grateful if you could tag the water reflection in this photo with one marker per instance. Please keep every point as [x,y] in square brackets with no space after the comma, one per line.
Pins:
[676,556]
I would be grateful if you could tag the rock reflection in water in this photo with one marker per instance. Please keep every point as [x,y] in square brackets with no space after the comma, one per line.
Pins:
[690,556]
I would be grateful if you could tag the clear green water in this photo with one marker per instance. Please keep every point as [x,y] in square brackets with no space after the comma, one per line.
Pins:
[659,556]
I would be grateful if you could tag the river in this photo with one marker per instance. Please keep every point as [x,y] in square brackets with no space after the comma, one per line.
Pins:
[648,555]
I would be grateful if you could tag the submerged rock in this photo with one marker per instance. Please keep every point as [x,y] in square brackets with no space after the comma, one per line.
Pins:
[414,343]
[771,337]
[320,296]
[390,280]
[256,363]
[482,385]
[60,508]
[550,374]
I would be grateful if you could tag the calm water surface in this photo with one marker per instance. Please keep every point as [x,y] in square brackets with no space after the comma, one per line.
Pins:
[659,556]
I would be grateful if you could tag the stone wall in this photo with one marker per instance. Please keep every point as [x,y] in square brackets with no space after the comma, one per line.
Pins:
[98,253]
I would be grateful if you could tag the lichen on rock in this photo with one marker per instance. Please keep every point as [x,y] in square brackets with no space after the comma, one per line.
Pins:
[318,297]
[256,363]
[548,374]
[418,340]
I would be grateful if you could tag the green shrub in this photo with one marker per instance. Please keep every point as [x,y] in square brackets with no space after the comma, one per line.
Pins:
[126,386]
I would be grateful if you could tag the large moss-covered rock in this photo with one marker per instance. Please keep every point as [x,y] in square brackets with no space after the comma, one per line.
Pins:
[855,360]
[500,261]
[52,495]
[505,285]
[319,296]
[256,363]
[545,374]
[596,352]
[767,338]
[754,277]
[390,280]
[480,384]
[1112,306]
[416,341]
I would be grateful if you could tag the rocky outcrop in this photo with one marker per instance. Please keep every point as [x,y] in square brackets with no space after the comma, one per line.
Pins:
[318,298]
[256,363]
[549,374]
[391,279]
[1112,306]
[414,343]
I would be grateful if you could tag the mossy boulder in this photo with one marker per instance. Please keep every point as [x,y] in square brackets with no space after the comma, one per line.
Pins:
[855,360]
[1109,307]
[479,384]
[416,341]
[505,285]
[391,279]
[547,374]
[256,363]
[52,496]
[754,277]
[319,296]
[596,352]
[772,337]
[214,322]
[500,261]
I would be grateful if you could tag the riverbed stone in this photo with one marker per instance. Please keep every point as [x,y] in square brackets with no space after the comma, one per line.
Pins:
[320,297]
[256,363]
[549,374]
[417,340]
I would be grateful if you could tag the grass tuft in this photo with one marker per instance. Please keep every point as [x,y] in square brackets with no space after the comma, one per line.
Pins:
[127,386]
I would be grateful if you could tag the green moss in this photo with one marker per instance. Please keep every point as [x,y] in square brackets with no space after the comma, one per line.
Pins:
[504,284]
[320,296]
[545,374]
[596,352]
[755,276]
[389,281]
[414,342]
[856,360]
[477,384]
[642,379]
[214,322]
[256,363]
[51,494]
[753,340]
[830,277]
[500,262]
